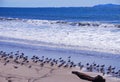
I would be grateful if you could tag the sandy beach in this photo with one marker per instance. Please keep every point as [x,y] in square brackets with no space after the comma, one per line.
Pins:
[69,41]
[59,41]
[19,69]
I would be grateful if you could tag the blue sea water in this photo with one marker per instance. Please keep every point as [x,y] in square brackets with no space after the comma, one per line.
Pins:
[108,39]
[111,15]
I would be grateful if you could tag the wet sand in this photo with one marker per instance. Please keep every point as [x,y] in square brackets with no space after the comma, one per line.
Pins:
[34,72]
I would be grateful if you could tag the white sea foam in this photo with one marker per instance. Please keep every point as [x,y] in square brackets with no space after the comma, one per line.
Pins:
[81,36]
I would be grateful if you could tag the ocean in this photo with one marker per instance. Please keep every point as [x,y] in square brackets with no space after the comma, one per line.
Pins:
[66,14]
[88,34]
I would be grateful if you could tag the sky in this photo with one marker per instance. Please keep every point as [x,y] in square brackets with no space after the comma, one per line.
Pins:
[54,3]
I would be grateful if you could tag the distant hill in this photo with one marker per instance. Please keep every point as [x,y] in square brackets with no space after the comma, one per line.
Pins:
[107,6]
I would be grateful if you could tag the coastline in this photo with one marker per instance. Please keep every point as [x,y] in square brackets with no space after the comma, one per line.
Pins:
[36,72]
[83,56]
[48,44]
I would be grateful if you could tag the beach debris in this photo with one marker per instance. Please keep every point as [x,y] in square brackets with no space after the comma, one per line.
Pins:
[84,76]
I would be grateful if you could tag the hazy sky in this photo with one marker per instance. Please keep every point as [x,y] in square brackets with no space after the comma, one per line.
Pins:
[54,3]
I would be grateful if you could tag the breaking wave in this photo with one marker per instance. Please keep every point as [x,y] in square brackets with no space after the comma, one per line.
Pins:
[84,35]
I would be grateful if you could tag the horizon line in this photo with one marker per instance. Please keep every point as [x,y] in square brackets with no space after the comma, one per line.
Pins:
[54,6]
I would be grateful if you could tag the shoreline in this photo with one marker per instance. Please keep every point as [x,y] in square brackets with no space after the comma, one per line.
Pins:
[54,45]
[40,69]
[62,36]
[99,58]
